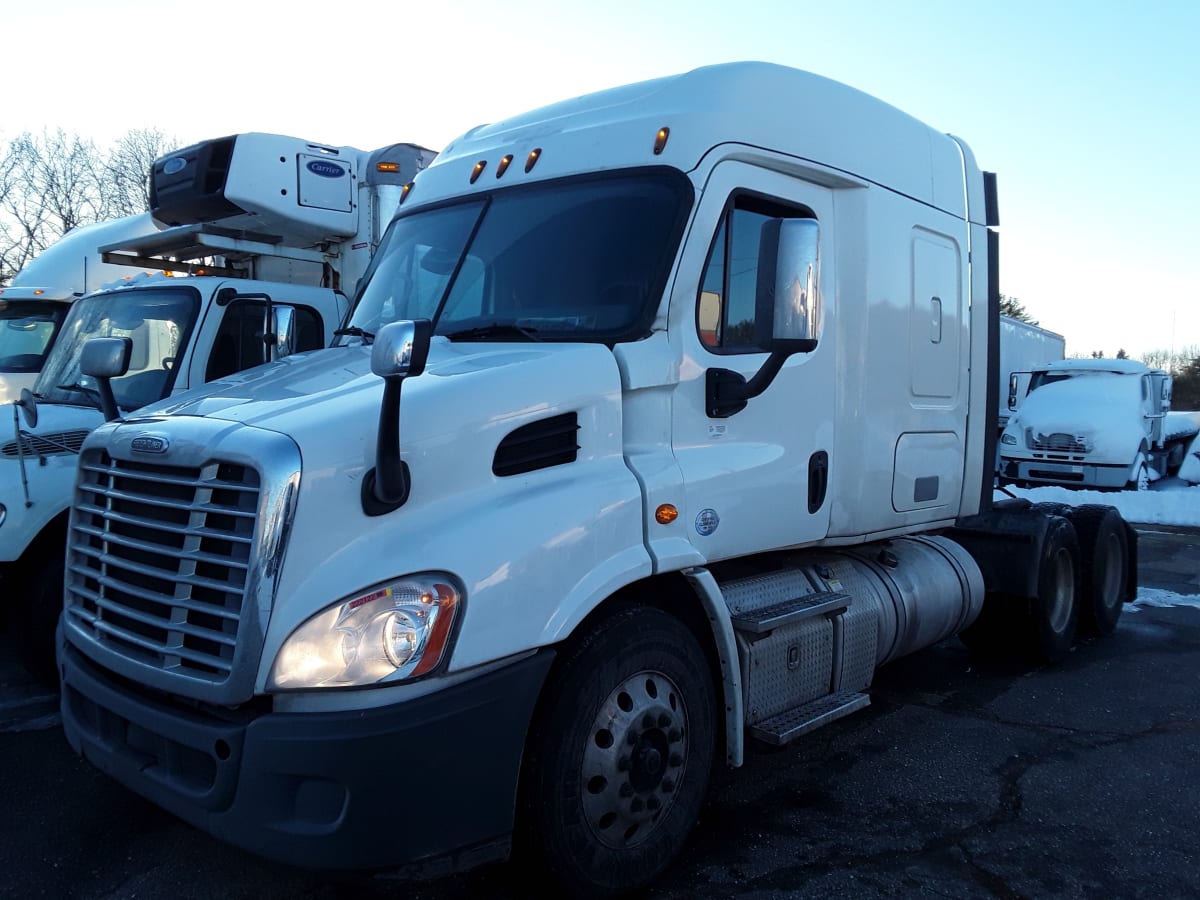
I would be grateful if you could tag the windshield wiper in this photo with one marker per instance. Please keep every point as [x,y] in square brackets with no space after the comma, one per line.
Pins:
[494,329]
[355,331]
[78,388]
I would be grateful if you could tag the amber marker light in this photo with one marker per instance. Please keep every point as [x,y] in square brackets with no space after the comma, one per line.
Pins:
[387,167]
[532,158]
[478,170]
[404,192]
[660,140]
[504,164]
[666,514]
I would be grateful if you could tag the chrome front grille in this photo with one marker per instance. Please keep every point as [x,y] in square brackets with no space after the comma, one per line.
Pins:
[159,559]
[1057,442]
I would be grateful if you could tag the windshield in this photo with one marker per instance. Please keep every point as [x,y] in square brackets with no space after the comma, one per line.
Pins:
[26,329]
[157,321]
[572,260]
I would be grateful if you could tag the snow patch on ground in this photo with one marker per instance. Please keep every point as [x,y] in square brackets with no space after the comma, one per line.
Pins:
[1159,598]
[1171,501]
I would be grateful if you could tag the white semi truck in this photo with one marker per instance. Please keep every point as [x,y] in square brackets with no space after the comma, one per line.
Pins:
[1097,423]
[33,306]
[660,422]
[268,227]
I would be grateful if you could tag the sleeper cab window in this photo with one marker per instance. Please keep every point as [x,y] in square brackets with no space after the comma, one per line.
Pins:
[738,269]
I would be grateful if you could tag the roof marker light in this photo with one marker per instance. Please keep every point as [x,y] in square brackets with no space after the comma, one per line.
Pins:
[534,156]
[387,167]
[660,140]
[478,170]
[504,164]
[405,191]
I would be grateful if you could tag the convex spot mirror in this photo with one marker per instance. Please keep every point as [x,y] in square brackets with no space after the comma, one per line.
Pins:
[787,315]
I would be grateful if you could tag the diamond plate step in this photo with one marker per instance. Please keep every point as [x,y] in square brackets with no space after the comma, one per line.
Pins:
[789,725]
[759,621]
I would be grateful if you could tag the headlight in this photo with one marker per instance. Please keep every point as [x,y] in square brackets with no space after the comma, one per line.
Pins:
[395,631]
[1007,438]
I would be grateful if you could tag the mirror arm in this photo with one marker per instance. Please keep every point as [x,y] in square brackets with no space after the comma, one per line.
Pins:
[391,472]
[108,402]
[728,391]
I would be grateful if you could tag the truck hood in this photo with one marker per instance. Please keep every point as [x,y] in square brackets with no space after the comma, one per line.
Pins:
[1105,413]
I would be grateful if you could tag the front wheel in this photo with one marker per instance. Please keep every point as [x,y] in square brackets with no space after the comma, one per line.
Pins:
[620,755]
[1141,478]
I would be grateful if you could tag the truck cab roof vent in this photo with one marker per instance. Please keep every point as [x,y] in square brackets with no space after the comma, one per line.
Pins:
[538,445]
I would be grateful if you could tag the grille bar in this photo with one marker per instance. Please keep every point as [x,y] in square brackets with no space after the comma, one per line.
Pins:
[107,560]
[149,547]
[105,581]
[202,661]
[184,530]
[147,619]
[164,477]
[114,494]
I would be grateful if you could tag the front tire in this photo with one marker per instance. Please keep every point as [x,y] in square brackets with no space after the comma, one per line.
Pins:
[620,755]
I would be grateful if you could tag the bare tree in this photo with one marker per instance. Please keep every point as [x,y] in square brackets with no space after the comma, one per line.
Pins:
[126,183]
[1015,309]
[53,182]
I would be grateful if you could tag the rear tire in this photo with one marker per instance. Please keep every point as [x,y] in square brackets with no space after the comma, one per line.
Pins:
[620,756]
[1054,612]
[1104,554]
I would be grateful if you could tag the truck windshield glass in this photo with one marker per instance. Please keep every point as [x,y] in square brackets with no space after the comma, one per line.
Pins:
[577,260]
[157,321]
[26,329]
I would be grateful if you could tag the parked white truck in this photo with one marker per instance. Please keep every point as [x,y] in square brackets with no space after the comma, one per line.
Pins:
[1023,347]
[697,431]
[34,304]
[1100,423]
[269,226]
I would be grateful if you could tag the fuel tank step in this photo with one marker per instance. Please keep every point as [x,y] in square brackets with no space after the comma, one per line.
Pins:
[760,621]
[790,724]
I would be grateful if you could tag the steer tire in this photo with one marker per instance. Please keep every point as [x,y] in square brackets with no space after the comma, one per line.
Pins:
[619,757]
[39,603]
[1104,553]
[1054,612]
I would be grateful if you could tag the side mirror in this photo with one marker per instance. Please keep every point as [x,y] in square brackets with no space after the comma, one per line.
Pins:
[105,359]
[400,351]
[787,311]
[1012,391]
[282,331]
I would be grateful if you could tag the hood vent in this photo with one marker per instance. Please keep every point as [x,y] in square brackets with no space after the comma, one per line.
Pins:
[538,445]
[45,444]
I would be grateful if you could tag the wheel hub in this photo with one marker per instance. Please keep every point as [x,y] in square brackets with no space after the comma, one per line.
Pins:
[634,759]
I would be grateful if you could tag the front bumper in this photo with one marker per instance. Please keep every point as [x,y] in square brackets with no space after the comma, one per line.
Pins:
[1073,474]
[428,785]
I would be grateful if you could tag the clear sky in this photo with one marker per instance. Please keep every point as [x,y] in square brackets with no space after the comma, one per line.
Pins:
[1088,110]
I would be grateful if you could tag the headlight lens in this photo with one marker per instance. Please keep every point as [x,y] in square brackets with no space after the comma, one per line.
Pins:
[395,631]
[1007,438]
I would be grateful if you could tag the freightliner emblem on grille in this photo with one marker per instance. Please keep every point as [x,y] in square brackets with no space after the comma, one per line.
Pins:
[147,444]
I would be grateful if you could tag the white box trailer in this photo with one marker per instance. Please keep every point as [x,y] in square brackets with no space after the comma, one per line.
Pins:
[697,431]
[34,304]
[1023,347]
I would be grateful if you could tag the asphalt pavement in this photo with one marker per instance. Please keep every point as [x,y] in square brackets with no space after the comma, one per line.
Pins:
[961,779]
